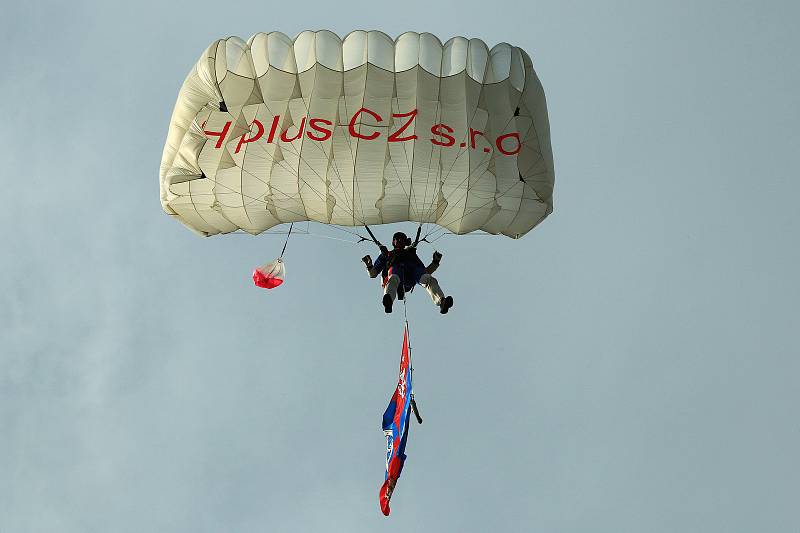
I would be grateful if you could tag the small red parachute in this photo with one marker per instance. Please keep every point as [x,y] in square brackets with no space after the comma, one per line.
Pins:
[270,275]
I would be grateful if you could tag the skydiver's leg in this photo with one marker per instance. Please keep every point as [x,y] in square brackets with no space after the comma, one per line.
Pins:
[391,286]
[390,292]
[432,286]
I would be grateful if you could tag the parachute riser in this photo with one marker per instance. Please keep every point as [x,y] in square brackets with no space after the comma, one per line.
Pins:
[417,239]
[374,239]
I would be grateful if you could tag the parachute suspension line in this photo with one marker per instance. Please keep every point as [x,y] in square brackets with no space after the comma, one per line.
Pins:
[287,240]
[332,238]
[427,232]
[466,150]
[422,214]
[262,201]
[361,238]
[352,209]
[282,164]
[433,232]
[464,184]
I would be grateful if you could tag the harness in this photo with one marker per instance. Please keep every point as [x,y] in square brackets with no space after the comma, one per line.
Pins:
[405,257]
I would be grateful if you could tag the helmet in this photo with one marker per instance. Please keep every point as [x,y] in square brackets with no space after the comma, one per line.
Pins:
[400,238]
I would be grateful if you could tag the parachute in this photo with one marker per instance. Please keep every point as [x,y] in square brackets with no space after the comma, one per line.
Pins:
[270,275]
[359,131]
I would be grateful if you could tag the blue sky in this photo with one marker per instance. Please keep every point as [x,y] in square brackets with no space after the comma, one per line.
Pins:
[629,366]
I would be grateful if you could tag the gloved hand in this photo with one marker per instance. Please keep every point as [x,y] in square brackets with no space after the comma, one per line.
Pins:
[384,250]
[437,257]
[367,261]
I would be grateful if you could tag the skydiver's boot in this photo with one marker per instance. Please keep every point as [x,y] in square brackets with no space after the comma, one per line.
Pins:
[432,286]
[387,303]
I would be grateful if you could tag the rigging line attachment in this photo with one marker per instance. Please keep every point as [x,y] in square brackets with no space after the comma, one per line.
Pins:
[414,408]
[416,239]
[374,239]
[287,240]
[408,329]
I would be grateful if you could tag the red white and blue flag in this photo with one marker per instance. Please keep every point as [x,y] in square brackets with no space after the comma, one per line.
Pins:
[396,420]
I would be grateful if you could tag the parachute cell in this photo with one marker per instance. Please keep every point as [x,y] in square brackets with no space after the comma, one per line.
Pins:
[360,130]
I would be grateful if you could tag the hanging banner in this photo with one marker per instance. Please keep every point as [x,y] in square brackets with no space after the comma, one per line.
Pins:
[396,420]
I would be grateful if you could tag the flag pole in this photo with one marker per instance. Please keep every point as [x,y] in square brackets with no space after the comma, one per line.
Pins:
[411,364]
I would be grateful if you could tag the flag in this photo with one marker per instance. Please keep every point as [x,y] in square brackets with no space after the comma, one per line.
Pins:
[396,420]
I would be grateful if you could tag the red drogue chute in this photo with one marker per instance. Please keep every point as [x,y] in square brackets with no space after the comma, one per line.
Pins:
[270,275]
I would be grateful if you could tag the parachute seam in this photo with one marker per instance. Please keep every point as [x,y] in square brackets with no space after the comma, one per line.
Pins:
[216,183]
[460,152]
[424,214]
[288,147]
[332,157]
[289,196]
[469,152]
[448,210]
[303,141]
[241,172]
[357,141]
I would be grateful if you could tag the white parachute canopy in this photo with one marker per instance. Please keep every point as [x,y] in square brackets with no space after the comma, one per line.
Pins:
[360,130]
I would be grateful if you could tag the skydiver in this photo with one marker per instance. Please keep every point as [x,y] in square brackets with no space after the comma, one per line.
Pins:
[402,269]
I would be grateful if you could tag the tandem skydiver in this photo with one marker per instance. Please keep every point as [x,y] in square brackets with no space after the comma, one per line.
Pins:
[402,269]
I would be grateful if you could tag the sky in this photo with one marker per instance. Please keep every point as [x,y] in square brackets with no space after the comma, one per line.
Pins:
[631,365]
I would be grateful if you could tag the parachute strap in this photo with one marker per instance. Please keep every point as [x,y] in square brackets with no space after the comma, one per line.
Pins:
[414,408]
[287,240]
[374,239]
[416,239]
[410,362]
